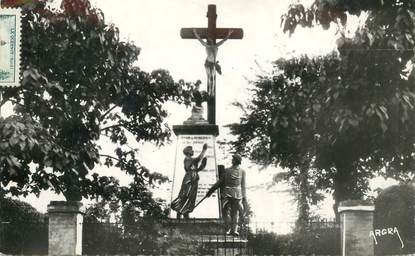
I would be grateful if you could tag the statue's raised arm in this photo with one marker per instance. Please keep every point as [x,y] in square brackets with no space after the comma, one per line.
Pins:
[198,38]
[201,155]
[226,38]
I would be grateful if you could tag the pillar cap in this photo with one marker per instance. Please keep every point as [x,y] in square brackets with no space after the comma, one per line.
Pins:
[65,207]
[356,205]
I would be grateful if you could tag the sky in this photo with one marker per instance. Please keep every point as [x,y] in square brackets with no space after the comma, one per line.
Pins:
[154,26]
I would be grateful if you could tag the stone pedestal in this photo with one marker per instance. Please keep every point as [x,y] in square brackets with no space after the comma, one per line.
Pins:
[223,245]
[211,234]
[356,223]
[196,135]
[65,228]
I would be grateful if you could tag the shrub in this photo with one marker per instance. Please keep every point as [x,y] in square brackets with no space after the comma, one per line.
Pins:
[145,236]
[320,242]
[395,207]
[23,230]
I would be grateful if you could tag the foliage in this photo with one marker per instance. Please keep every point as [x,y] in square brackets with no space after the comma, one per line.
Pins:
[351,113]
[133,233]
[134,211]
[23,230]
[145,238]
[327,12]
[13,210]
[79,85]
[116,198]
[395,207]
[314,242]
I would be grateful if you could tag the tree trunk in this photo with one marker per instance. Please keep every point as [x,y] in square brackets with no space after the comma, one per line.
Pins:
[345,186]
[72,186]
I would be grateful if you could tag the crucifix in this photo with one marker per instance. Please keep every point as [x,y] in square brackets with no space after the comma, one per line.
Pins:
[211,33]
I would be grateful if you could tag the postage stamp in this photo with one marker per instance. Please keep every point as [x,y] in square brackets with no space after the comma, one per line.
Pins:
[10,22]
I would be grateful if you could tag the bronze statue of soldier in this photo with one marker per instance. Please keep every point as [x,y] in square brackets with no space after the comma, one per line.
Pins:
[233,190]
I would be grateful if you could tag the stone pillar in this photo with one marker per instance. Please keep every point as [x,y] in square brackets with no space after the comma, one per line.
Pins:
[65,228]
[356,223]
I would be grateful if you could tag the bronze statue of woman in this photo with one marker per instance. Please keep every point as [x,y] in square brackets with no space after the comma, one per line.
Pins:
[185,201]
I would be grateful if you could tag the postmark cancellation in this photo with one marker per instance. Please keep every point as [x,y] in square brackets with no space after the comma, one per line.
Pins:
[10,36]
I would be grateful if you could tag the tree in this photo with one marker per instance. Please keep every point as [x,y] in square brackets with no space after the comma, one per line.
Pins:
[351,113]
[79,85]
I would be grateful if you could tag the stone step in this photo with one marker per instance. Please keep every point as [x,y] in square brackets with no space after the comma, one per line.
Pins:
[220,238]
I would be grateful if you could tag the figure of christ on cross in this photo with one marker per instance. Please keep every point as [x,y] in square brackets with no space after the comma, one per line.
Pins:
[211,64]
[211,33]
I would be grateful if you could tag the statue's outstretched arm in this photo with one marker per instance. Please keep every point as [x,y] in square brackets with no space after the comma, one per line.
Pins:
[226,38]
[198,38]
[201,155]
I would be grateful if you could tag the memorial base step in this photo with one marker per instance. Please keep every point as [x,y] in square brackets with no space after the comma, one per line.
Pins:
[224,245]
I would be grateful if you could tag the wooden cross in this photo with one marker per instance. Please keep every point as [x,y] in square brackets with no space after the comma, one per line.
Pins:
[212,33]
